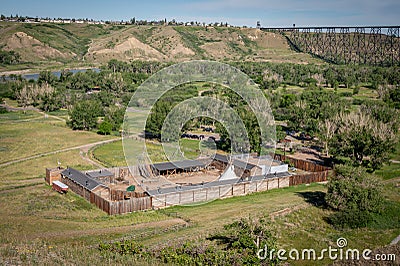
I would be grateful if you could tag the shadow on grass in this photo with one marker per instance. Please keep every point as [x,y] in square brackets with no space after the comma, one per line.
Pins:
[316,198]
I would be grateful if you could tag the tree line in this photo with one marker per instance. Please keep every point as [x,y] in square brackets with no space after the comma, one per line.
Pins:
[344,125]
[86,95]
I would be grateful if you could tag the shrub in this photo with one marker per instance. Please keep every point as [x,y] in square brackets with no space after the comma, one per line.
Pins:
[346,94]
[3,110]
[105,128]
[356,90]
[355,195]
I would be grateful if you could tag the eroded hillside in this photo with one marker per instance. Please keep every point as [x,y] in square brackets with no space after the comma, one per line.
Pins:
[184,43]
[39,42]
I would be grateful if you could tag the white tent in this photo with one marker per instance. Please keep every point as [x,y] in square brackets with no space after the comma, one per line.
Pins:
[228,174]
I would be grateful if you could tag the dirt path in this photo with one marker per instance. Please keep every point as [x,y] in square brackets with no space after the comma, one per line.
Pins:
[13,188]
[30,108]
[287,211]
[395,241]
[7,29]
[160,225]
[84,155]
[12,108]
[82,147]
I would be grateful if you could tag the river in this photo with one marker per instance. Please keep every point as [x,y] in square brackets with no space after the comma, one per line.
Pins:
[35,76]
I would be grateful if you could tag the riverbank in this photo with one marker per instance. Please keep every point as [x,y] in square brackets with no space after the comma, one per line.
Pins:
[32,68]
[17,72]
[33,74]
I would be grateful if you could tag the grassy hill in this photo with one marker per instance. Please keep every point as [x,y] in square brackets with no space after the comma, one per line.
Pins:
[47,43]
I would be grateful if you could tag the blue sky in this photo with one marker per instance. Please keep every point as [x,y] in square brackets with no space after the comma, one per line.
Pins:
[236,12]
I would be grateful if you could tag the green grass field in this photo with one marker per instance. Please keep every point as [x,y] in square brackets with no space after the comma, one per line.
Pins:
[24,135]
[31,169]
[111,154]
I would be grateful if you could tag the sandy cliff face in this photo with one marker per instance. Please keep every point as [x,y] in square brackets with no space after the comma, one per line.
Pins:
[129,49]
[166,43]
[32,49]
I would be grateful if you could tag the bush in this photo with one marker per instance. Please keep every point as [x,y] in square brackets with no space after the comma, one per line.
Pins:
[9,57]
[244,238]
[105,128]
[356,90]
[358,101]
[3,110]
[351,218]
[346,94]
[355,195]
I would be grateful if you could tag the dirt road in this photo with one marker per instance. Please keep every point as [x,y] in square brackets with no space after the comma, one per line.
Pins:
[85,147]
[158,225]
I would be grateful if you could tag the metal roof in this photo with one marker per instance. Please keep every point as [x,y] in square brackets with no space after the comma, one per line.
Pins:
[60,184]
[243,165]
[238,163]
[270,175]
[184,165]
[80,178]
[99,173]
[221,158]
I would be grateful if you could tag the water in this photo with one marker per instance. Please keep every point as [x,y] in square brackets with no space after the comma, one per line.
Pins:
[35,76]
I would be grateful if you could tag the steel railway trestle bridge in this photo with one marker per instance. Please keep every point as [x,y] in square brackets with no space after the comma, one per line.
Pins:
[371,45]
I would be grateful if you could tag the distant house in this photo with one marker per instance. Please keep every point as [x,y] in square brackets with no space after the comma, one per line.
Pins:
[95,89]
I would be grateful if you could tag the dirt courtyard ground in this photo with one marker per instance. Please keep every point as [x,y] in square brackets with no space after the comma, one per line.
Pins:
[195,177]
[304,151]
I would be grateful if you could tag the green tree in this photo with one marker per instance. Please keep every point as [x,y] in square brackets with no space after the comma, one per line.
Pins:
[47,77]
[287,100]
[355,195]
[280,133]
[393,97]
[114,83]
[82,81]
[358,135]
[115,116]
[156,119]
[246,237]
[84,114]
[105,128]
[314,106]
[51,101]
[9,57]
[65,75]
